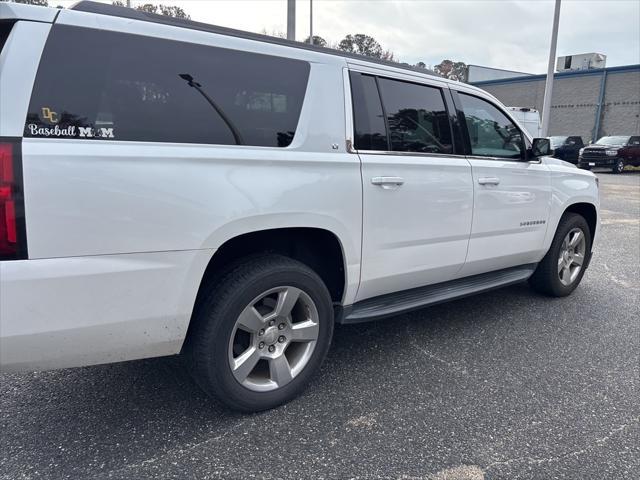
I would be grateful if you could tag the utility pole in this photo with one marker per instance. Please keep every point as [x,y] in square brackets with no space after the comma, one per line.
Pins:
[291,19]
[128,3]
[548,88]
[311,22]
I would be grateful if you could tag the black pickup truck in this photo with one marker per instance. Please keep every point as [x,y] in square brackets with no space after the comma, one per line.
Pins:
[566,148]
[613,152]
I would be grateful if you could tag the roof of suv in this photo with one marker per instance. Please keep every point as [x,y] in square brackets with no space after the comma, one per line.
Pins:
[124,12]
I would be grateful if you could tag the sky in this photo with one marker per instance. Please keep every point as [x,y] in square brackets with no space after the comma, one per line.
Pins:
[514,35]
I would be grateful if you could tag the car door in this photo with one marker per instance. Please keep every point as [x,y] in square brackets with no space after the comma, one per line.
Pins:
[417,190]
[512,196]
[634,151]
[574,144]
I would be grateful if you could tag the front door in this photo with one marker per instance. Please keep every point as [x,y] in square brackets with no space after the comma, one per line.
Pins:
[417,193]
[512,196]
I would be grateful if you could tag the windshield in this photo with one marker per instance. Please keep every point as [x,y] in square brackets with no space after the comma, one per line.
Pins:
[619,140]
[557,141]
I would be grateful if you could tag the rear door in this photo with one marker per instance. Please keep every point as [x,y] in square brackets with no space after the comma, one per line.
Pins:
[512,195]
[417,188]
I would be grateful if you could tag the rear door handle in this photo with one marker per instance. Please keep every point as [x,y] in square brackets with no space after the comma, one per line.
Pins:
[488,180]
[387,182]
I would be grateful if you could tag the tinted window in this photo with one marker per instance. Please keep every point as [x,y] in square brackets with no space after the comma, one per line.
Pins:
[370,130]
[491,133]
[417,117]
[5,30]
[130,87]
[635,141]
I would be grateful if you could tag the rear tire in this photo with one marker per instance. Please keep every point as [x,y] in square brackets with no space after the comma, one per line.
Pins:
[260,333]
[619,167]
[562,268]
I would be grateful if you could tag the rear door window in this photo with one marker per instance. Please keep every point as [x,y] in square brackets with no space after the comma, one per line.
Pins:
[417,117]
[368,116]
[109,85]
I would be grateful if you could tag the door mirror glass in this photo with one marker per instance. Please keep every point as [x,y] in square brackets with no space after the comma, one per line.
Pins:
[541,147]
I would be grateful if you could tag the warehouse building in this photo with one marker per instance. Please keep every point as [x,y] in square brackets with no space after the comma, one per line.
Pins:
[591,103]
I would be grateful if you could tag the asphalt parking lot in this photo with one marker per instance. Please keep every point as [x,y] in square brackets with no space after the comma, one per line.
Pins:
[508,384]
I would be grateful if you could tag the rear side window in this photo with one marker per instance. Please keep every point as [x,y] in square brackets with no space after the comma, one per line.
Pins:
[417,117]
[5,30]
[109,85]
[368,117]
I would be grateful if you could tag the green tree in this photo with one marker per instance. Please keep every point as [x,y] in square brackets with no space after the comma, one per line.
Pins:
[317,40]
[420,65]
[361,44]
[168,10]
[452,70]
[42,3]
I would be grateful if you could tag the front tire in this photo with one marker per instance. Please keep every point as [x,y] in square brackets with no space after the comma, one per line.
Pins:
[562,268]
[261,333]
[619,167]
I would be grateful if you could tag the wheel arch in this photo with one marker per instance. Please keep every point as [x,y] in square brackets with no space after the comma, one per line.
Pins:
[318,248]
[589,212]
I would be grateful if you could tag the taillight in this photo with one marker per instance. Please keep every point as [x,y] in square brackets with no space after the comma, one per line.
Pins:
[12,234]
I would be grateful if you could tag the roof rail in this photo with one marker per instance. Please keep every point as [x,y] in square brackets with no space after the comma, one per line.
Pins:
[124,12]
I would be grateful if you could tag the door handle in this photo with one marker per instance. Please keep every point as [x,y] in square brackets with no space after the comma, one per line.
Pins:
[387,182]
[488,180]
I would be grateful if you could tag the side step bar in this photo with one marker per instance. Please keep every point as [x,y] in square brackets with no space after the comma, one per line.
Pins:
[400,302]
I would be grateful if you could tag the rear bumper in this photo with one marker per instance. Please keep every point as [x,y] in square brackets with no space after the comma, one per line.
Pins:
[69,312]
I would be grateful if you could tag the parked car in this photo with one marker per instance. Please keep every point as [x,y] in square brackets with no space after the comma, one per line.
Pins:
[566,148]
[613,152]
[229,196]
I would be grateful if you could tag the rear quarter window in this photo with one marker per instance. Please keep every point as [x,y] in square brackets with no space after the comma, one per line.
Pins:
[115,86]
[5,30]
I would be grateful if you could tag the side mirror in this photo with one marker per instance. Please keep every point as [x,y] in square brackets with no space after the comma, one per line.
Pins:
[540,147]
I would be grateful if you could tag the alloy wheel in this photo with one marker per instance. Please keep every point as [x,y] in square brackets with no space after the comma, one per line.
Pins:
[273,339]
[572,256]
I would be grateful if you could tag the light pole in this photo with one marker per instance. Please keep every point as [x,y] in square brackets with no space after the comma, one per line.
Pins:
[311,22]
[291,19]
[548,88]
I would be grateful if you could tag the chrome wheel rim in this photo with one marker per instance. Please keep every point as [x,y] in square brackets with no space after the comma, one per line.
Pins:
[571,258]
[273,338]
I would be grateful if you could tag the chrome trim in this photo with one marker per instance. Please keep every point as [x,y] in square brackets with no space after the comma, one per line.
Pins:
[408,154]
[348,111]
[500,159]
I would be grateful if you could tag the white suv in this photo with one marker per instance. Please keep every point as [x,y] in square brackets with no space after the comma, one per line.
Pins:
[172,187]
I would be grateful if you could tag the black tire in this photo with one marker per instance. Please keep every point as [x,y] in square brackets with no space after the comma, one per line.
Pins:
[215,316]
[619,167]
[545,279]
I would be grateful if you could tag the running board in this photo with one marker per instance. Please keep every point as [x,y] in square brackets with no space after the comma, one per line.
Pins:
[400,302]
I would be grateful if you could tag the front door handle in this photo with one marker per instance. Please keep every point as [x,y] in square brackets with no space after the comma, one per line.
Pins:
[387,182]
[488,180]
